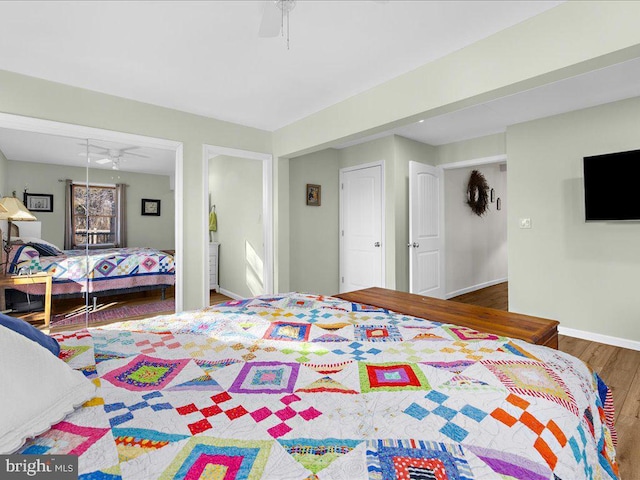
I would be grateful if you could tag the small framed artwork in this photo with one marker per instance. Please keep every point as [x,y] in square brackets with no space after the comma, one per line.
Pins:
[499,204]
[38,202]
[493,195]
[313,195]
[150,207]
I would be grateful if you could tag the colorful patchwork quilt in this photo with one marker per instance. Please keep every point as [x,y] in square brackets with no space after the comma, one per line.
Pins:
[105,269]
[307,387]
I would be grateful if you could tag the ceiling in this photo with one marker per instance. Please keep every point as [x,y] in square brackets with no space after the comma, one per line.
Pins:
[597,87]
[207,58]
[24,146]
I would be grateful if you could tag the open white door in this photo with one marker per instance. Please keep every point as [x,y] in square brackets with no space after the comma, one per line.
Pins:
[361,233]
[426,230]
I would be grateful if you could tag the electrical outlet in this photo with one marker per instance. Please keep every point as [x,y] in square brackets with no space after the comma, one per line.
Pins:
[525,223]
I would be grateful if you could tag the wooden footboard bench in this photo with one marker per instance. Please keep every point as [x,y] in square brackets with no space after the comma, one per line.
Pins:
[536,330]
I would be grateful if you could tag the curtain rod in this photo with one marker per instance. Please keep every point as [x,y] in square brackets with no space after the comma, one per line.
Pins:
[64,180]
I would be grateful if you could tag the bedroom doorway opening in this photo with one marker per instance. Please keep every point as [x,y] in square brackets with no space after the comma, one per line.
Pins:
[45,155]
[362,258]
[476,246]
[238,222]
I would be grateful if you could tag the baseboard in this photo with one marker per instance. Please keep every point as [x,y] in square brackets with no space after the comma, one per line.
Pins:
[473,288]
[235,296]
[600,338]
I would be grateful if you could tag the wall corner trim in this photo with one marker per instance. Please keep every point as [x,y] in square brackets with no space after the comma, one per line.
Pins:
[473,288]
[600,338]
[235,296]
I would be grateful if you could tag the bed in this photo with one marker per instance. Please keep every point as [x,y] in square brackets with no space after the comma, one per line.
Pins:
[103,272]
[298,386]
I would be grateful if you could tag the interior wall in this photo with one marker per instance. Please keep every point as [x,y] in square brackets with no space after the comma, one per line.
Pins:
[3,175]
[583,274]
[475,247]
[32,97]
[235,188]
[142,231]
[480,147]
[314,231]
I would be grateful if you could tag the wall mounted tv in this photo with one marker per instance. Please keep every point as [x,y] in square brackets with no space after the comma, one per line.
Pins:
[612,185]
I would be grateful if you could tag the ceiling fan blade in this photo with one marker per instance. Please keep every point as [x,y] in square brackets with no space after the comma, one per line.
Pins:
[102,161]
[271,20]
[127,149]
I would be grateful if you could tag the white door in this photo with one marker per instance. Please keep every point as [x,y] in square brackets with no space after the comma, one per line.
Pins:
[361,235]
[426,230]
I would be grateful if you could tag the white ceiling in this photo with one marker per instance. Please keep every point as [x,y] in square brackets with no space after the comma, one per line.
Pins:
[587,90]
[41,148]
[206,57]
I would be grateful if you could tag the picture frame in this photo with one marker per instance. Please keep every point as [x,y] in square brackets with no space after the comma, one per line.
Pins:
[38,202]
[314,193]
[150,207]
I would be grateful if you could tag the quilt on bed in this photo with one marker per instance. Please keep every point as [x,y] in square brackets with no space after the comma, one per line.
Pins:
[106,269]
[305,387]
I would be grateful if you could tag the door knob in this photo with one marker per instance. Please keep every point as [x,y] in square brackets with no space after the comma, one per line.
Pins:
[416,245]
[377,244]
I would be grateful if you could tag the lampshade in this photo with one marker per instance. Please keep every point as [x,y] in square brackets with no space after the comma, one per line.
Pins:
[15,210]
[3,210]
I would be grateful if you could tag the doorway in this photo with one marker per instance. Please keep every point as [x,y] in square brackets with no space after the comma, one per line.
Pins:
[362,259]
[243,219]
[476,256]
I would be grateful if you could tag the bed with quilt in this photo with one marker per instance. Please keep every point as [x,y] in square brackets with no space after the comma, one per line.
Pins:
[298,386]
[109,270]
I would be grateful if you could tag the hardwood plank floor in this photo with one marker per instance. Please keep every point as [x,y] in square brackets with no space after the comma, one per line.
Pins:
[618,367]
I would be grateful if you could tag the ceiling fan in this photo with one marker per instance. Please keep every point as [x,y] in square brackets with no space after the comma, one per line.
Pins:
[113,155]
[275,17]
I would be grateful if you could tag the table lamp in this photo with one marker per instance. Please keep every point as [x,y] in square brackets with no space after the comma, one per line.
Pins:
[13,210]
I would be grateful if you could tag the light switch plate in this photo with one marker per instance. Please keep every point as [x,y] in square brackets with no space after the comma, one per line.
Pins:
[525,223]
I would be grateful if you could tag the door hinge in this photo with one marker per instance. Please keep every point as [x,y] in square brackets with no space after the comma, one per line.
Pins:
[342,186]
[342,279]
[343,233]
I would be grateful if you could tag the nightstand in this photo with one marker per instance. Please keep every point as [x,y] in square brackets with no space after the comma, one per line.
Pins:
[7,281]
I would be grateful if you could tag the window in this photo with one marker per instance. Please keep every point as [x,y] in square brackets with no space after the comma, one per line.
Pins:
[94,215]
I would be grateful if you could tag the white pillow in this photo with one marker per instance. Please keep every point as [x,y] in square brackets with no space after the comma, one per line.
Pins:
[34,240]
[38,390]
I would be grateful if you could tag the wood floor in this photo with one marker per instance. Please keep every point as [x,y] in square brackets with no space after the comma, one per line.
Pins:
[618,367]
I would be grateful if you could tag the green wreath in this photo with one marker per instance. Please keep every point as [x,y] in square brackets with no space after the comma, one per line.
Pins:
[477,196]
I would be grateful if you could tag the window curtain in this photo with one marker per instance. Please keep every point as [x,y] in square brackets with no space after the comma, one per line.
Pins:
[68,214]
[121,215]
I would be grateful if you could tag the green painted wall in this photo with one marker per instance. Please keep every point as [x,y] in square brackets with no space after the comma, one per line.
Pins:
[235,188]
[142,231]
[583,274]
[481,147]
[314,235]
[31,97]
[314,238]
[3,175]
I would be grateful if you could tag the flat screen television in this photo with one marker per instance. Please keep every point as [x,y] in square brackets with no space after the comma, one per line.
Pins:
[612,186]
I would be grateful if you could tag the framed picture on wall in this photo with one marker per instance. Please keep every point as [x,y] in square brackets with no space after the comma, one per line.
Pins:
[38,202]
[150,207]
[313,195]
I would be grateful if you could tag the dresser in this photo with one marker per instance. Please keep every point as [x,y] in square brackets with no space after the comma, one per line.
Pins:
[214,283]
